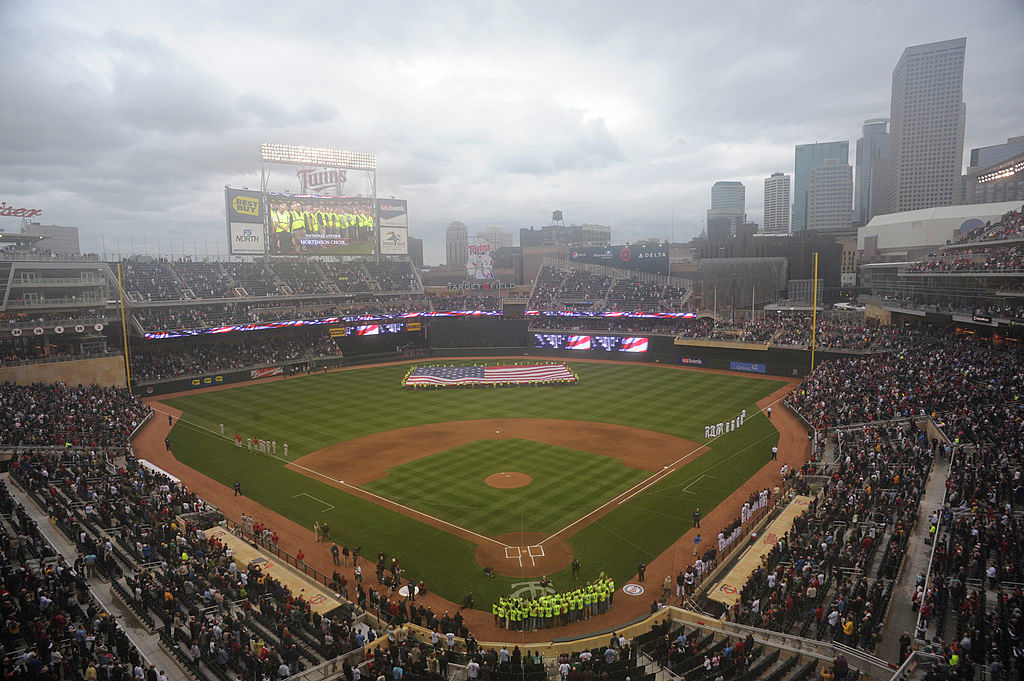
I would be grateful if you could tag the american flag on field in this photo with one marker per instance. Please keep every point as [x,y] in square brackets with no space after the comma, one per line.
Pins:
[489,375]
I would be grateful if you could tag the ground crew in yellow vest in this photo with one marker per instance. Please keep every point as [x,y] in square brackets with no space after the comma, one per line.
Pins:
[282,220]
[611,592]
[549,615]
[298,220]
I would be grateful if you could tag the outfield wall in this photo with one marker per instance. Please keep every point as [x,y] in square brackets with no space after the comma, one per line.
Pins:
[489,337]
[106,371]
[471,337]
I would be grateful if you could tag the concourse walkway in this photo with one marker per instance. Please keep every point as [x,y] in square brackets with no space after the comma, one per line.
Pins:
[901,617]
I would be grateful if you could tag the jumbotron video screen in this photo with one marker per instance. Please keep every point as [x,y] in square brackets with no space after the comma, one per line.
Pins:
[562,341]
[319,225]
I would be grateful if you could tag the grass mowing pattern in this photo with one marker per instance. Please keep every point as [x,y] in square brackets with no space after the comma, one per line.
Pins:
[315,411]
[450,485]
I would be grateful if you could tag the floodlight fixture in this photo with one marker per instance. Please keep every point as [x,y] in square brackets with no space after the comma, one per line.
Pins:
[1002,173]
[317,156]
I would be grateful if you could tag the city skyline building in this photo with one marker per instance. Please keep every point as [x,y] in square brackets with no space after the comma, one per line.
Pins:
[807,158]
[776,204]
[829,196]
[983,157]
[497,237]
[728,204]
[872,155]
[926,133]
[456,243]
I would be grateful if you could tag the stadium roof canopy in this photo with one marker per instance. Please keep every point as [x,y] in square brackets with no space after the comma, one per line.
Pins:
[926,228]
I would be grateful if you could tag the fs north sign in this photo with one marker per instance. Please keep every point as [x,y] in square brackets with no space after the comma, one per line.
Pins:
[246,238]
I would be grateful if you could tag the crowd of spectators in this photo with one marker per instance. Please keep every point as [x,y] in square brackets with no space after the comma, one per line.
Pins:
[1010,226]
[161,552]
[464,301]
[59,414]
[627,295]
[973,604]
[164,360]
[393,276]
[1007,307]
[53,628]
[926,371]
[67,319]
[988,260]
[817,580]
[159,279]
[207,316]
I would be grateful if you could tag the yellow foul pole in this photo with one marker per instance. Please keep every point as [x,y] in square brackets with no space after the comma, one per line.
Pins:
[814,310]
[124,334]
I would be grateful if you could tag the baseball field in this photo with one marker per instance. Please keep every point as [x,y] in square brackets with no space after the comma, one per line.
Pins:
[522,480]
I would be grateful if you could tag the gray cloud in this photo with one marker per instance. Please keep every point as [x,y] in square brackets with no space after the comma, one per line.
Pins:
[128,119]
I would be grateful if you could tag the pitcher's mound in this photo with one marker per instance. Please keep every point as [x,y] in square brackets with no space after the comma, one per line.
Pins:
[508,480]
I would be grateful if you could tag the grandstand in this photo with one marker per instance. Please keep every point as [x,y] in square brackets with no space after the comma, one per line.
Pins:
[916,435]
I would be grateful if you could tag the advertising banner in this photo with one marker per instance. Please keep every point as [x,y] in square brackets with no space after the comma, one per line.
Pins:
[244,209]
[246,238]
[692,361]
[244,205]
[394,240]
[479,264]
[640,257]
[749,367]
[393,212]
[267,371]
[321,225]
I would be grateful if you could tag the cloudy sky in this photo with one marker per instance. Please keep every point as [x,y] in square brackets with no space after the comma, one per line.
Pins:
[128,118]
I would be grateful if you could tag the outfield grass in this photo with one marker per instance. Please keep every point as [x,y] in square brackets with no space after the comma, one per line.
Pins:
[450,485]
[316,411]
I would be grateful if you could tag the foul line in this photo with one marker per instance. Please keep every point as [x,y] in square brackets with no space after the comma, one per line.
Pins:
[330,507]
[342,483]
[644,484]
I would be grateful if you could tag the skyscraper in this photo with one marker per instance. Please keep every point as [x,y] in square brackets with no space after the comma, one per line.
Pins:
[809,157]
[728,204]
[495,236]
[456,242]
[829,195]
[927,113]
[872,157]
[983,157]
[776,204]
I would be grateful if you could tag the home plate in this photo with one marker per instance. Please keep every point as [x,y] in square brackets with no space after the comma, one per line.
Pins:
[497,431]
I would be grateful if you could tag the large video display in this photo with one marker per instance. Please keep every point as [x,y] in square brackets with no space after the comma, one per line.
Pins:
[320,225]
[641,257]
[564,341]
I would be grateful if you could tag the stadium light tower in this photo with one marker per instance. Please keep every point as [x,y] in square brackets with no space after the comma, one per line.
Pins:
[322,157]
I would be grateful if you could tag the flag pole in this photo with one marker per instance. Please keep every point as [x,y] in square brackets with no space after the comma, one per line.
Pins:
[124,334]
